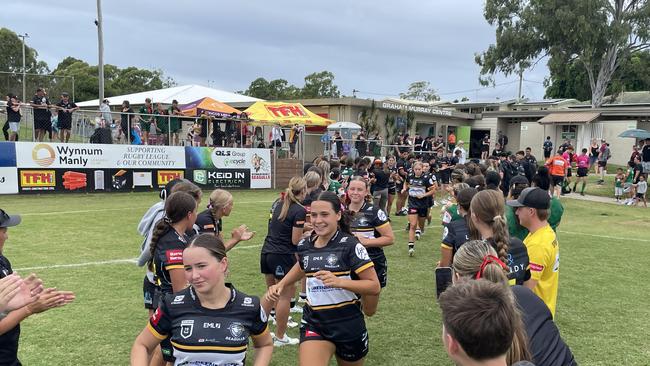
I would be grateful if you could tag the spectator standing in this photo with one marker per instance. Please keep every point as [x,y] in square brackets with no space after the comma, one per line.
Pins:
[594,150]
[294,135]
[276,136]
[532,163]
[361,145]
[325,139]
[497,150]
[337,144]
[126,124]
[502,139]
[42,122]
[548,147]
[463,153]
[65,107]
[532,209]
[558,168]
[635,153]
[565,145]
[439,143]
[13,117]
[417,143]
[174,122]
[146,118]
[485,146]
[641,189]
[5,127]
[451,141]
[603,156]
[645,156]
[162,124]
[105,113]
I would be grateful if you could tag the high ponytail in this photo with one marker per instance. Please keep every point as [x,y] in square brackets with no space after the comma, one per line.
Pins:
[296,186]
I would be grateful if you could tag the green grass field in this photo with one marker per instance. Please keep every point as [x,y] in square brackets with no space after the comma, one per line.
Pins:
[603,311]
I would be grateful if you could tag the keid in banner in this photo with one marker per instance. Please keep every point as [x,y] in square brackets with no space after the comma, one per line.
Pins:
[92,156]
[257,162]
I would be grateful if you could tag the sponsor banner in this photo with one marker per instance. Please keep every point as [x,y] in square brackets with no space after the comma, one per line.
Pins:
[32,180]
[220,178]
[256,161]
[94,156]
[165,176]
[7,154]
[8,180]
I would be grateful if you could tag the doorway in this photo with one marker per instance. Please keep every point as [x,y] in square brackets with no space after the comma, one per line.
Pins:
[475,142]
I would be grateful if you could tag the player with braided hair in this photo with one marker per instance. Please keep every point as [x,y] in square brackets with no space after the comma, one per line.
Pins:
[488,222]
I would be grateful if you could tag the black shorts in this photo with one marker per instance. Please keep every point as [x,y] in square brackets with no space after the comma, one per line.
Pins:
[557,179]
[420,211]
[445,176]
[151,294]
[640,195]
[42,124]
[65,125]
[350,350]
[602,164]
[277,265]
[547,154]
[381,267]
[583,172]
[392,191]
[569,173]
[485,148]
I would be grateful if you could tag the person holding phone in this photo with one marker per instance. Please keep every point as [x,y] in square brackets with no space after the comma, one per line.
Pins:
[209,322]
[371,226]
[476,259]
[333,259]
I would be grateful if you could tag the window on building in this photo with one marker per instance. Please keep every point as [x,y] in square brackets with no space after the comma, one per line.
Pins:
[569,132]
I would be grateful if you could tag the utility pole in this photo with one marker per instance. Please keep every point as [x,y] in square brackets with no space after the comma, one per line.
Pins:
[100,43]
[521,79]
[23,36]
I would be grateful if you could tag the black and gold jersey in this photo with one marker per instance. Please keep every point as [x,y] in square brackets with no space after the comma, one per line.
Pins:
[419,186]
[167,256]
[366,222]
[202,336]
[278,237]
[335,311]
[206,223]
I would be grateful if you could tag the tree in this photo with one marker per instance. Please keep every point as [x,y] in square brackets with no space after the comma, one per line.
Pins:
[571,80]
[320,85]
[368,119]
[598,34]
[422,91]
[277,89]
[11,49]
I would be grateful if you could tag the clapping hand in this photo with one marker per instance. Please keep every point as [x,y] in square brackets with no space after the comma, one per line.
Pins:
[241,233]
[51,298]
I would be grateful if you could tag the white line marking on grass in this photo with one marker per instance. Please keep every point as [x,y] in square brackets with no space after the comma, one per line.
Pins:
[604,236]
[114,209]
[98,263]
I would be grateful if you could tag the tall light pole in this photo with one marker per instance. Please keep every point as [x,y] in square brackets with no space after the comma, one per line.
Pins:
[100,42]
[23,36]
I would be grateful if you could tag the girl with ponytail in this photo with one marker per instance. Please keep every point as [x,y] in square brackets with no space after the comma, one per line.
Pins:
[286,224]
[168,241]
[209,221]
[538,339]
[488,223]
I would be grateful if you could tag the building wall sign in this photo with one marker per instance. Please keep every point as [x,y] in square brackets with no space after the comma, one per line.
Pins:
[416,109]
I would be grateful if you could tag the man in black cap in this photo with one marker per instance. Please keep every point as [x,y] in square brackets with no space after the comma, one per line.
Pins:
[532,209]
[65,107]
[48,299]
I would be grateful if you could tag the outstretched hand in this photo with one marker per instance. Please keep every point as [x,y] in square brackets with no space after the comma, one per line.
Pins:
[51,298]
[241,233]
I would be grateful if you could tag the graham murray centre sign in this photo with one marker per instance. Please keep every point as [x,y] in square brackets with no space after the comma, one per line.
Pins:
[415,108]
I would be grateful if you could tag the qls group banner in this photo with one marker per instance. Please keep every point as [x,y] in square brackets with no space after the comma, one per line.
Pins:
[229,167]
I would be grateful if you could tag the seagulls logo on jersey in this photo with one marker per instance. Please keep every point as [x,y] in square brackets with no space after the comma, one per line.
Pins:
[362,221]
[381,215]
[236,330]
[332,260]
[361,252]
[186,328]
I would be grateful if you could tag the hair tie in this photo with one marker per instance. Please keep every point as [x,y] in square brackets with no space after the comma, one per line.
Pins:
[496,217]
[487,260]
[342,208]
[167,220]
[210,206]
[283,195]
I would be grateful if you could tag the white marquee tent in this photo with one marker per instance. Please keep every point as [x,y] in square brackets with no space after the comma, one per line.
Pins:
[184,94]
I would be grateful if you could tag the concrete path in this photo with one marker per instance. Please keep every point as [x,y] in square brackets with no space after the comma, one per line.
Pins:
[600,199]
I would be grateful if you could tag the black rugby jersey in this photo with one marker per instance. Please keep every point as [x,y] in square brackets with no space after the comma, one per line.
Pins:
[455,234]
[366,222]
[517,260]
[417,186]
[335,312]
[202,336]
[8,340]
[278,238]
[206,223]
[167,256]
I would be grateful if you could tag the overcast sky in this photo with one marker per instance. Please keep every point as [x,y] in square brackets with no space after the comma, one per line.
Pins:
[377,47]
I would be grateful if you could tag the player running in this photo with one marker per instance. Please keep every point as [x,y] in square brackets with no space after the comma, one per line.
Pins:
[209,322]
[338,269]
[418,187]
[372,228]
[582,161]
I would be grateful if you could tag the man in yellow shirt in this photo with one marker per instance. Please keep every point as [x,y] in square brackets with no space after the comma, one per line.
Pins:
[532,209]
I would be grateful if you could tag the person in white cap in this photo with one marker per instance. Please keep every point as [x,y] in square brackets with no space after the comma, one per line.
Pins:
[463,153]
